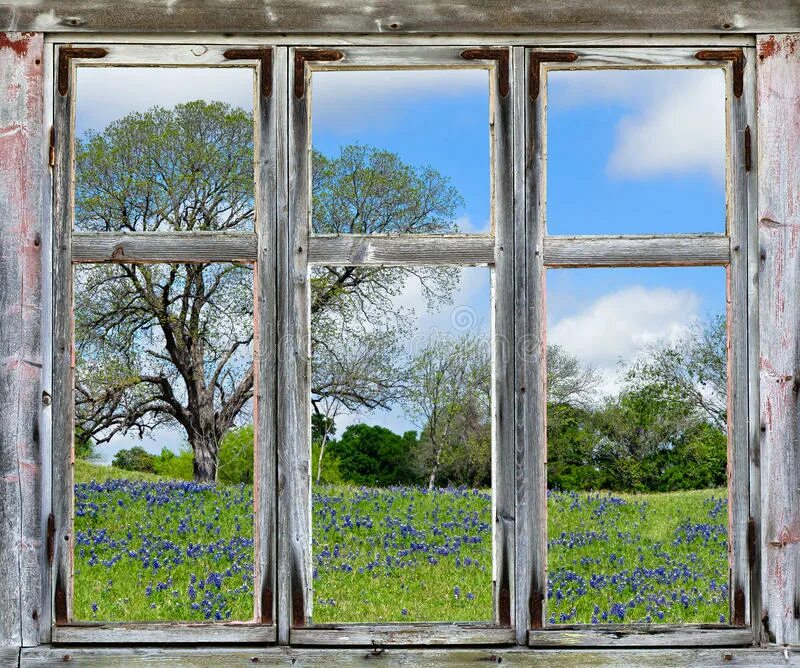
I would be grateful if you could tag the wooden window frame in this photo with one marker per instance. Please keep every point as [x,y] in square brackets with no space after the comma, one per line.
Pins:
[74,247]
[518,251]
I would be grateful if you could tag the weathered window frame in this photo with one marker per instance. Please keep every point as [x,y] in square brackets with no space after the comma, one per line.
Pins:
[519,251]
[72,247]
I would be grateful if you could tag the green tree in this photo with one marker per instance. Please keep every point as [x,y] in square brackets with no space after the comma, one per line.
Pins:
[372,455]
[134,459]
[168,345]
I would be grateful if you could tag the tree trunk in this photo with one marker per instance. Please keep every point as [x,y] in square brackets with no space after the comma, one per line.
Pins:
[206,457]
[435,470]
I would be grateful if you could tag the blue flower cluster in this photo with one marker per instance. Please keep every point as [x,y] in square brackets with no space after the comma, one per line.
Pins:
[168,551]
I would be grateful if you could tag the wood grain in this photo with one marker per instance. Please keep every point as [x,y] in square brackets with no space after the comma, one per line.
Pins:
[369,635]
[152,657]
[155,633]
[682,250]
[629,635]
[778,102]
[401,16]
[152,247]
[365,249]
[21,187]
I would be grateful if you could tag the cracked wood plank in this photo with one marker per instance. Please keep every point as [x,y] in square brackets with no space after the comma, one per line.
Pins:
[778,81]
[21,74]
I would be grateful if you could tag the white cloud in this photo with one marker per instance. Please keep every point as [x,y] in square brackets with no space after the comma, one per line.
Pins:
[105,94]
[344,101]
[617,327]
[675,123]
[683,131]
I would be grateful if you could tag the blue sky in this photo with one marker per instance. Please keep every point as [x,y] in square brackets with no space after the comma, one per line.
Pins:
[628,152]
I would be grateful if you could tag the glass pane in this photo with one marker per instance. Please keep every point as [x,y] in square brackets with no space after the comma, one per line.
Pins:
[637,446]
[164,149]
[401,445]
[636,151]
[401,151]
[163,443]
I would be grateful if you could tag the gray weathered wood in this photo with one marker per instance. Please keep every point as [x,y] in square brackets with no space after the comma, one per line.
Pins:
[164,246]
[531,390]
[704,40]
[368,635]
[687,250]
[125,634]
[522,569]
[21,176]
[778,78]
[294,415]
[738,225]
[265,348]
[63,371]
[366,249]
[9,656]
[503,459]
[629,635]
[328,658]
[401,16]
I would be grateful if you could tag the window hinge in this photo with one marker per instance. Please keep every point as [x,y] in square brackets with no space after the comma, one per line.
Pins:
[51,537]
[748,149]
[51,160]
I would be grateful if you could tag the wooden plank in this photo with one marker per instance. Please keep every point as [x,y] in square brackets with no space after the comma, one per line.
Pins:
[366,249]
[503,460]
[9,656]
[704,40]
[402,634]
[329,658]
[402,16]
[266,347]
[738,225]
[294,429]
[646,636]
[126,634]
[778,70]
[687,250]
[63,371]
[753,351]
[522,570]
[21,179]
[531,391]
[164,246]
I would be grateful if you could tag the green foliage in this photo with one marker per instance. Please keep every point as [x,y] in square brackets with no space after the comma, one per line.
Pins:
[330,474]
[236,457]
[84,445]
[371,455]
[175,466]
[135,459]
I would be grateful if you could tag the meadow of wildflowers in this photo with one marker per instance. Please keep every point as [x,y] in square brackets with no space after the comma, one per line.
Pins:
[148,549]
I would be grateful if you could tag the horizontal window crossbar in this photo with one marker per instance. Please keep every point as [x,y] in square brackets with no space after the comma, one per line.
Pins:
[164,247]
[192,633]
[630,635]
[403,634]
[682,250]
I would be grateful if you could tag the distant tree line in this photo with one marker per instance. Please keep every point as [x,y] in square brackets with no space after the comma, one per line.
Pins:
[665,430]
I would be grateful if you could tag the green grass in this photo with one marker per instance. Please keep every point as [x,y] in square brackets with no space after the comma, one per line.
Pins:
[393,555]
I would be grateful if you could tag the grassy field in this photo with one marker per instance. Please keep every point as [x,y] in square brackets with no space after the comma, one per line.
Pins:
[149,549]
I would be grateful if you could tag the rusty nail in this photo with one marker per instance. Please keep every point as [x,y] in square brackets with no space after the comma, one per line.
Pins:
[46,399]
[66,658]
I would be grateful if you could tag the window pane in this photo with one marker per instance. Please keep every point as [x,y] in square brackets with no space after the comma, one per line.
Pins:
[163,443]
[637,446]
[401,151]
[401,445]
[164,149]
[636,151]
